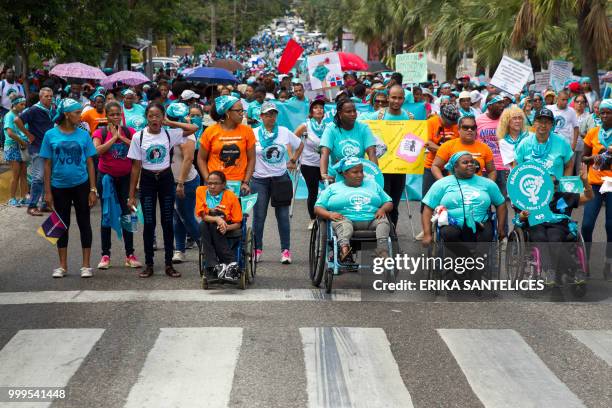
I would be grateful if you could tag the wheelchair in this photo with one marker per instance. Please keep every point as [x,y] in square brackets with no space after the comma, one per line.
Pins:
[242,241]
[524,261]
[438,249]
[323,253]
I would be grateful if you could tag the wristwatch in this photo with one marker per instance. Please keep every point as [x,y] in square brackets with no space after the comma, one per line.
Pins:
[94,190]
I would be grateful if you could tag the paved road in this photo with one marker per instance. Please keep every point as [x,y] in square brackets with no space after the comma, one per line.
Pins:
[116,340]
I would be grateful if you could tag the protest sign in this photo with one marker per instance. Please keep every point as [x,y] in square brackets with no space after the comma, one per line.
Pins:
[324,70]
[560,71]
[542,80]
[530,188]
[404,140]
[511,75]
[412,66]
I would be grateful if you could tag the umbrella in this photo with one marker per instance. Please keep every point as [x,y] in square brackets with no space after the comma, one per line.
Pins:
[352,62]
[131,78]
[376,66]
[77,70]
[211,76]
[229,64]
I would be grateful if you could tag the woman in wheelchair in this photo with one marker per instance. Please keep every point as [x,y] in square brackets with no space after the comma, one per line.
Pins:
[221,215]
[558,230]
[355,204]
[467,198]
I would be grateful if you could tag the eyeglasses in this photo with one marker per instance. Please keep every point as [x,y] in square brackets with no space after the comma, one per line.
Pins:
[472,128]
[380,101]
[215,183]
[237,110]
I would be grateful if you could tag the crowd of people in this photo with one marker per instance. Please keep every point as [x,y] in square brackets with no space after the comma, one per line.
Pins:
[195,148]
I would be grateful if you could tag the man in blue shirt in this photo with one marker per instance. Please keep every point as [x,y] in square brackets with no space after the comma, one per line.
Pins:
[39,120]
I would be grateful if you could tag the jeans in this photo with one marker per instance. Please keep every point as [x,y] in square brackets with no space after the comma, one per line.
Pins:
[501,180]
[38,179]
[184,216]
[63,199]
[122,188]
[312,176]
[215,245]
[591,211]
[395,185]
[154,187]
[263,186]
[344,230]
[548,236]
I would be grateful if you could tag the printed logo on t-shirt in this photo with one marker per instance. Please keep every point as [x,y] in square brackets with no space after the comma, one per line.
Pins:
[469,196]
[559,123]
[229,154]
[119,151]
[349,148]
[359,201]
[137,122]
[156,153]
[273,154]
[68,153]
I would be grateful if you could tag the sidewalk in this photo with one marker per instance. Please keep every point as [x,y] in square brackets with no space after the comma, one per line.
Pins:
[5,183]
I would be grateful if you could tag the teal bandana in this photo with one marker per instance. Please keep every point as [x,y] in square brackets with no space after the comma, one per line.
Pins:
[224,103]
[66,105]
[450,166]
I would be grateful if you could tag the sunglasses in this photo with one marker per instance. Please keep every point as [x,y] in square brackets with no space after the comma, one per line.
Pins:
[464,127]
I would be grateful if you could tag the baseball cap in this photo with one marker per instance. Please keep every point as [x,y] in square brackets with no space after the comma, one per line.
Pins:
[189,94]
[465,95]
[475,96]
[268,106]
[545,113]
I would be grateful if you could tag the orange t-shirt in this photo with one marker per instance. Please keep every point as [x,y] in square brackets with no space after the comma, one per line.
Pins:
[227,149]
[230,205]
[591,139]
[480,151]
[94,119]
[437,133]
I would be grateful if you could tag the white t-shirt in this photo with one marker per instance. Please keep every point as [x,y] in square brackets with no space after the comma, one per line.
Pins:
[272,161]
[154,151]
[177,163]
[310,154]
[5,87]
[565,122]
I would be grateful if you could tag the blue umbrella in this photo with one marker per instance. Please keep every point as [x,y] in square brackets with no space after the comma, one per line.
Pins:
[211,76]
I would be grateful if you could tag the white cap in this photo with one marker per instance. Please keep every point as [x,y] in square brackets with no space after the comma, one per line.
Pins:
[189,94]
[475,96]
[465,95]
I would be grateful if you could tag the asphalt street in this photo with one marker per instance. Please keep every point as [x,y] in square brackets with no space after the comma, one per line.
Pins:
[119,341]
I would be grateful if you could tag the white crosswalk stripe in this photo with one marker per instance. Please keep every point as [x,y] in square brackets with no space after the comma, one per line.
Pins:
[351,367]
[188,367]
[599,341]
[504,371]
[44,358]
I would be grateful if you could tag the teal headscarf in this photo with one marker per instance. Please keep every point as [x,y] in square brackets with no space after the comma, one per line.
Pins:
[95,95]
[177,110]
[18,100]
[347,163]
[65,106]
[605,104]
[224,103]
[450,166]
[585,80]
[493,101]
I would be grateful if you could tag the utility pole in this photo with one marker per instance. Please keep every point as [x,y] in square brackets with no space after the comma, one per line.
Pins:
[235,25]
[213,34]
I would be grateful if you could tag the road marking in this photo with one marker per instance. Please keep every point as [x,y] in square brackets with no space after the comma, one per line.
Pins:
[188,367]
[599,341]
[180,295]
[504,371]
[351,367]
[45,358]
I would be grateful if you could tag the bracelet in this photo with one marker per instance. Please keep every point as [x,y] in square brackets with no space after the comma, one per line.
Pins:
[93,190]
[245,182]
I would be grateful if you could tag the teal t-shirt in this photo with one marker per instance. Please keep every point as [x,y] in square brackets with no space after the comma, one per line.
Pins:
[135,117]
[355,203]
[9,123]
[68,154]
[254,112]
[558,153]
[386,116]
[478,192]
[343,143]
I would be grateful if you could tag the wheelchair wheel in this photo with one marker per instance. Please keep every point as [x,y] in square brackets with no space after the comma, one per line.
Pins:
[250,266]
[515,253]
[329,280]
[578,289]
[204,282]
[581,257]
[242,283]
[201,262]
[316,254]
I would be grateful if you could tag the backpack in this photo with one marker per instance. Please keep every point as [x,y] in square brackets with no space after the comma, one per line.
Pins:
[169,143]
[382,112]
[125,129]
[19,88]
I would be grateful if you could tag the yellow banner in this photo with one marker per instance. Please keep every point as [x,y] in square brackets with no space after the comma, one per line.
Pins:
[405,141]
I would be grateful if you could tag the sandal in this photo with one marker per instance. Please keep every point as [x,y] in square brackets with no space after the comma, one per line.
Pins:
[171,272]
[147,273]
[348,256]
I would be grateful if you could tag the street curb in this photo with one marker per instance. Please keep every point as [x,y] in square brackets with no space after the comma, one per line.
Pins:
[5,186]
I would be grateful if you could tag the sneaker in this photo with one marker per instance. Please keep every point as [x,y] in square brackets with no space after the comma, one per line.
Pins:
[311,225]
[59,272]
[258,255]
[550,278]
[86,272]
[132,262]
[24,201]
[178,257]
[232,272]
[419,236]
[286,257]
[189,243]
[219,270]
[13,202]
[104,262]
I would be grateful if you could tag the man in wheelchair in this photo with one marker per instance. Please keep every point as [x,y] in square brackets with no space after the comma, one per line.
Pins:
[221,215]
[559,230]
[355,204]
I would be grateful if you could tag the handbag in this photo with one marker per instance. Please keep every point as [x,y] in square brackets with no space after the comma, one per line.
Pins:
[281,191]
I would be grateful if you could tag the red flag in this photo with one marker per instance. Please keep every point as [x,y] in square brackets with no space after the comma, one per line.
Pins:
[292,52]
